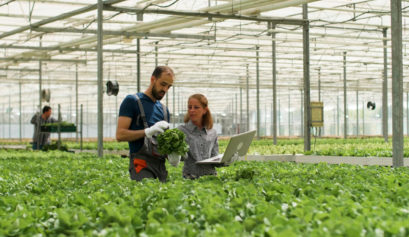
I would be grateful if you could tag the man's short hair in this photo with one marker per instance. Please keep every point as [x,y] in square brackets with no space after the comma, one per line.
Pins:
[46,109]
[160,69]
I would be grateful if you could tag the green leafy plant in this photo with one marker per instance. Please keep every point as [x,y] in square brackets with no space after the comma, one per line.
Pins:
[172,141]
[244,173]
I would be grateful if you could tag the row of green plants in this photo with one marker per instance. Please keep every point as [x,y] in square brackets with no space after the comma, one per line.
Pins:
[361,147]
[59,193]
[368,147]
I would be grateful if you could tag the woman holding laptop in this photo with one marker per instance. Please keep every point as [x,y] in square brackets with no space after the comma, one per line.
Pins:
[201,138]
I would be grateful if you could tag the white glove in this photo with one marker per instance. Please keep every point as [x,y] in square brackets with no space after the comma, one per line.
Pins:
[174,159]
[158,127]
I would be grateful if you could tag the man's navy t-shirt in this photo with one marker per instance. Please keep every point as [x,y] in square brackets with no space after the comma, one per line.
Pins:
[130,108]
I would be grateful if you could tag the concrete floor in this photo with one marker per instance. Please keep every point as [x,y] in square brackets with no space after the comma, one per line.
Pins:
[383,161]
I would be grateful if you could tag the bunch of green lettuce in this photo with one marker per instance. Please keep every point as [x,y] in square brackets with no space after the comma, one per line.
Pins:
[172,141]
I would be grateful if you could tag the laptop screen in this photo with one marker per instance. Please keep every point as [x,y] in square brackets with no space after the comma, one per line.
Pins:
[239,144]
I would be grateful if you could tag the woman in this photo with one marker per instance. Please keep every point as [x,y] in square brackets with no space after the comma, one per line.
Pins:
[200,136]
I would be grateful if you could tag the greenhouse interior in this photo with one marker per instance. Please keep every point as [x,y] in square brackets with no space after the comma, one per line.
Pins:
[323,85]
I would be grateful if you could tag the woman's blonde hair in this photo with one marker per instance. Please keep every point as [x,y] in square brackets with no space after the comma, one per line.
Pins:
[207,120]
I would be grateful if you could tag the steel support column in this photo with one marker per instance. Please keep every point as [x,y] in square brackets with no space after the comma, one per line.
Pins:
[335,122]
[265,119]
[279,115]
[274,56]
[302,113]
[345,97]
[9,112]
[81,127]
[258,92]
[397,82]
[100,79]
[156,53]
[76,101]
[40,78]
[357,114]
[306,68]
[21,111]
[289,115]
[116,109]
[319,94]
[139,17]
[319,84]
[247,97]
[363,118]
[385,88]
[174,106]
[59,128]
[241,110]
[337,115]
[236,114]
[271,120]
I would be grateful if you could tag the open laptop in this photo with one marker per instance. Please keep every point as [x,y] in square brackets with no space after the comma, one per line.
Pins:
[238,144]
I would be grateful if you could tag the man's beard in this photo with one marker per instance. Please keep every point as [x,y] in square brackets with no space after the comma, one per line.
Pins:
[157,94]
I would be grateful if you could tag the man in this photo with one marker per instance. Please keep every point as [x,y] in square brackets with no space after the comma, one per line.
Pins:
[41,138]
[141,118]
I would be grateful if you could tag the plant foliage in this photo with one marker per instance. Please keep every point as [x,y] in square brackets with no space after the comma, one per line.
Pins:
[54,146]
[63,194]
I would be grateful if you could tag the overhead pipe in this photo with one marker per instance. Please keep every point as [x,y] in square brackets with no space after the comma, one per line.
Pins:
[208,15]
[147,26]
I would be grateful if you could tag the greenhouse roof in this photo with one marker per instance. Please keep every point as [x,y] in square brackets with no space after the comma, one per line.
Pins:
[213,47]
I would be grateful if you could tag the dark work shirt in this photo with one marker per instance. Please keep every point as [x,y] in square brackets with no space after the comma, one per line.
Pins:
[153,110]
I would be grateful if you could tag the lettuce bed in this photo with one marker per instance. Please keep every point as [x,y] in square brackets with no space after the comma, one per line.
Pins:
[361,147]
[59,193]
[325,146]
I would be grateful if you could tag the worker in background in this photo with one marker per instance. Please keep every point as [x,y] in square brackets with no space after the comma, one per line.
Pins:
[41,138]
[141,117]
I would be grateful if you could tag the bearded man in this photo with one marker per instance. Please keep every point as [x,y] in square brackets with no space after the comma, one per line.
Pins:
[141,117]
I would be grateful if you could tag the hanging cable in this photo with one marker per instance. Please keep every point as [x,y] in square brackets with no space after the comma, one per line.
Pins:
[31,8]
[105,19]
[6,3]
[151,4]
